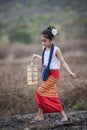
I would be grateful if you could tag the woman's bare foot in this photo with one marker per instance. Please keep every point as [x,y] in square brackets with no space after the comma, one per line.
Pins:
[39,118]
[64,119]
[40,115]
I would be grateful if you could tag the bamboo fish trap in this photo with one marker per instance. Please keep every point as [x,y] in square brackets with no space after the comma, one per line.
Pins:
[32,74]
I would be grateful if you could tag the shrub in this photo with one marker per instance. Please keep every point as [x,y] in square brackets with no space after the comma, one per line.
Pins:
[80,105]
[0,34]
[20,34]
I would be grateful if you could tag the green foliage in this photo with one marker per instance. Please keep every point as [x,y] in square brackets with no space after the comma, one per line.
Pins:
[20,32]
[17,6]
[20,35]
[68,8]
[1,34]
[3,38]
[37,15]
[1,24]
[80,105]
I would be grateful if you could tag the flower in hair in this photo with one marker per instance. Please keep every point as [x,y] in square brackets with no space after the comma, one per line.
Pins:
[54,31]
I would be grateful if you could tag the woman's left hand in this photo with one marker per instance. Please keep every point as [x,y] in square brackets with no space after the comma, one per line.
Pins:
[73,75]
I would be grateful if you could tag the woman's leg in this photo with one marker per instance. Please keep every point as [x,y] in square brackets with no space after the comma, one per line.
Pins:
[64,116]
[40,115]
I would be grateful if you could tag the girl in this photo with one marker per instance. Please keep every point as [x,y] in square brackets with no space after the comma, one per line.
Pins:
[46,95]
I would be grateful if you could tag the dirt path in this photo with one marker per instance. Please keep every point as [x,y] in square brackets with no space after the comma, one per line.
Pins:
[78,121]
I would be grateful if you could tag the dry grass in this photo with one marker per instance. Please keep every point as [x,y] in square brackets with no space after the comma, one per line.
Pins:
[17,97]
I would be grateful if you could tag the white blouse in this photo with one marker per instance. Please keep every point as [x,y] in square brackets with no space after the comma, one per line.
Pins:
[55,63]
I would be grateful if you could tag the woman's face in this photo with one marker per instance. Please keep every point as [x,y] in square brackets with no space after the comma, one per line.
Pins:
[46,42]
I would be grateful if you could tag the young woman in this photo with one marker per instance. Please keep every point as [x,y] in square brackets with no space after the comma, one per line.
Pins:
[46,95]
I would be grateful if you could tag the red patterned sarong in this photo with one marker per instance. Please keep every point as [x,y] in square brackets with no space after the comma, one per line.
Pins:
[47,96]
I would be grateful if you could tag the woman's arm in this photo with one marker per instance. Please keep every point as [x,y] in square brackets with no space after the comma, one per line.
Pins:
[36,56]
[64,64]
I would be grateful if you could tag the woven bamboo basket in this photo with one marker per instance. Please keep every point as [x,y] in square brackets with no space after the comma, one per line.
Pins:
[32,74]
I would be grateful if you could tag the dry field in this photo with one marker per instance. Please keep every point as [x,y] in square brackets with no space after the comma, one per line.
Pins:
[16,97]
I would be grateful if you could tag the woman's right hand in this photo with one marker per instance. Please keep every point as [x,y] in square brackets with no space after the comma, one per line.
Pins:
[33,57]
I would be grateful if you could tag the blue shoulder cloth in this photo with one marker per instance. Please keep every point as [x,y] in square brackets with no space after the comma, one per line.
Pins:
[46,69]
